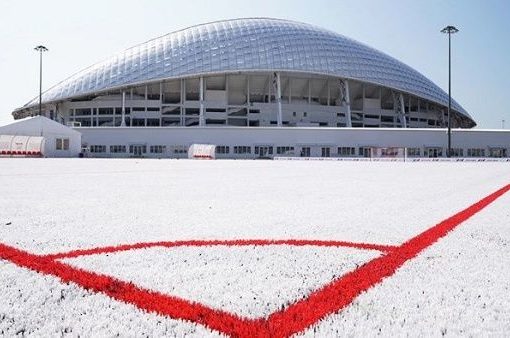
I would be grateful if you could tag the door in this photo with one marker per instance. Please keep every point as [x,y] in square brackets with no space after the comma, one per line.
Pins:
[434,152]
[305,152]
[365,151]
[325,152]
[263,151]
[137,150]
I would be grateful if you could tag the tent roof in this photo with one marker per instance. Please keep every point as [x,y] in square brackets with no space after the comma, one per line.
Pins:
[37,126]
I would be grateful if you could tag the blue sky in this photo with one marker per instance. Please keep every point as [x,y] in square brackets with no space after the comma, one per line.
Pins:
[80,33]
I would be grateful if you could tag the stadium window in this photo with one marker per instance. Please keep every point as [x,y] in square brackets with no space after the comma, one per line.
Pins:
[365,151]
[105,111]
[62,144]
[222,149]
[457,152]
[263,150]
[138,123]
[242,150]
[285,150]
[305,152]
[82,111]
[476,152]
[141,148]
[433,152]
[97,148]
[152,122]
[157,149]
[413,152]
[117,149]
[497,152]
[325,152]
[387,119]
[346,151]
[180,150]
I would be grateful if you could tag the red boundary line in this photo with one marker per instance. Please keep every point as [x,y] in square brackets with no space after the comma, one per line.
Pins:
[237,242]
[332,298]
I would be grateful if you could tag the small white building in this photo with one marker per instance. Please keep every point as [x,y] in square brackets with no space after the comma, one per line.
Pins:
[39,136]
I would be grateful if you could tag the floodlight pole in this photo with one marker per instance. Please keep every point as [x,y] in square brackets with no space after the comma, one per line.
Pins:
[449,30]
[40,49]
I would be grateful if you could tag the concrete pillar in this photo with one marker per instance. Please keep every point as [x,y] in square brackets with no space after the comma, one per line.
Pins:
[201,119]
[329,92]
[183,100]
[279,99]
[123,111]
[309,91]
[403,108]
[346,101]
[290,90]
[248,90]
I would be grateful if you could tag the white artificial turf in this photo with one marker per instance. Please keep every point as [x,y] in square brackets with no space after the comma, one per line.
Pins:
[248,280]
[41,306]
[458,286]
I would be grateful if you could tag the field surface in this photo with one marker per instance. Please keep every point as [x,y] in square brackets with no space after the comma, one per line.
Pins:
[253,248]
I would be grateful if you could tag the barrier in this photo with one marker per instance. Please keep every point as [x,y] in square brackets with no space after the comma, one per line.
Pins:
[409,159]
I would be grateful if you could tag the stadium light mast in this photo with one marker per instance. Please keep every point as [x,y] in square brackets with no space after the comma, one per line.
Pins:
[40,49]
[449,30]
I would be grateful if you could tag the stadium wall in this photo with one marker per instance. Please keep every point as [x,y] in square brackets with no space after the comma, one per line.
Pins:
[248,142]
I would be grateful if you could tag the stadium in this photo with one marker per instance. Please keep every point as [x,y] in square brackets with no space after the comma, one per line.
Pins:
[259,87]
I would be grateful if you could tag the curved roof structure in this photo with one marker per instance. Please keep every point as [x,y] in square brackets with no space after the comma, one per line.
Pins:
[253,44]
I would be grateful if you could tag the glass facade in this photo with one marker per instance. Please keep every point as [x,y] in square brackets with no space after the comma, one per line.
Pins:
[248,45]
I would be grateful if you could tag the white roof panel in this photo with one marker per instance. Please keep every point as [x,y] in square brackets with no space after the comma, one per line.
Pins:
[254,44]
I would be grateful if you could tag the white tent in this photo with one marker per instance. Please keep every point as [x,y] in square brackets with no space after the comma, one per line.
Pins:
[202,151]
[40,134]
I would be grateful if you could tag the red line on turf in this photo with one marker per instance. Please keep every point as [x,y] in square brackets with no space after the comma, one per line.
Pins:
[237,242]
[129,293]
[295,318]
[340,293]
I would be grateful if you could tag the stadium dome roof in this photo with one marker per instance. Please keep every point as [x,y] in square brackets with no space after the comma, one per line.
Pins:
[251,44]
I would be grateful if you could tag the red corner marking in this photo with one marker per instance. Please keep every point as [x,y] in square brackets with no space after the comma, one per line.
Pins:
[331,298]
[236,242]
